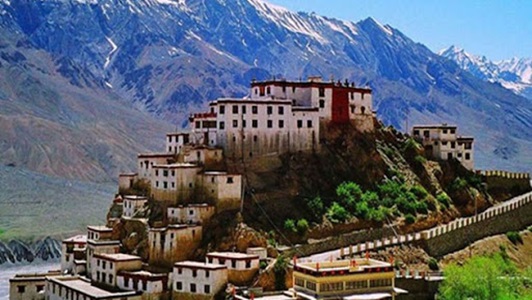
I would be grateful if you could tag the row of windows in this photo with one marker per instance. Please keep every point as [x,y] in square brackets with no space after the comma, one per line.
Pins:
[104,277]
[221,261]
[193,287]
[185,139]
[22,288]
[459,155]
[269,124]
[321,91]
[69,294]
[380,282]
[334,286]
[104,264]
[136,284]
[254,110]
[195,272]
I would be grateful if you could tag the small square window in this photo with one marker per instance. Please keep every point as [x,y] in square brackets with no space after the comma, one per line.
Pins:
[229,179]
[255,123]
[254,110]
[270,123]
[179,285]
[21,289]
[235,109]
[269,110]
[309,123]
[207,289]
[281,124]
[299,123]
[192,287]
[235,123]
[222,109]
[221,125]
[281,110]
[243,109]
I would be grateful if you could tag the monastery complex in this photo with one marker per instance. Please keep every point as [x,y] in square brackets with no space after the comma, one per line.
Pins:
[191,184]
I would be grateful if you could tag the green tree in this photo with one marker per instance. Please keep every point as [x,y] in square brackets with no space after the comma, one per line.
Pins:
[337,213]
[302,226]
[349,193]
[316,206]
[483,278]
[290,225]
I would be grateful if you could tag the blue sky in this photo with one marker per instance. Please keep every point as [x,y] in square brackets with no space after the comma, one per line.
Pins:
[498,29]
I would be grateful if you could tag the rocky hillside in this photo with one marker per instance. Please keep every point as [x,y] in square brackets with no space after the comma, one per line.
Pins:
[169,57]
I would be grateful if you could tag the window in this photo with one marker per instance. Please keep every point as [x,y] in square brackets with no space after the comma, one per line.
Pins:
[194,273]
[467,156]
[254,110]
[444,143]
[248,264]
[293,89]
[268,90]
[453,145]
[229,179]
[156,183]
[173,185]
[322,103]
[235,109]
[416,132]
[256,91]
[445,131]
[255,138]
[40,287]
[110,278]
[207,274]
[243,123]
[207,289]
[453,131]
[165,184]
[467,146]
[299,123]
[284,89]
[21,288]
[233,264]
[192,287]
[144,285]
[222,109]
[111,265]
[179,271]
[235,123]
[210,260]
[309,123]
[311,285]
[270,123]
[198,124]
[156,172]
[269,110]
[449,156]
[104,263]
[104,278]
[243,109]
[426,133]
[178,285]
[191,212]
[322,92]
[221,125]
[126,282]
[254,123]
[281,124]
[281,110]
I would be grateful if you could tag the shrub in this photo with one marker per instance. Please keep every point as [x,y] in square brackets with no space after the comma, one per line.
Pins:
[263,264]
[420,159]
[290,225]
[316,206]
[337,213]
[279,269]
[302,226]
[419,191]
[348,194]
[514,237]
[433,264]
[410,219]
[458,184]
[443,199]
[422,207]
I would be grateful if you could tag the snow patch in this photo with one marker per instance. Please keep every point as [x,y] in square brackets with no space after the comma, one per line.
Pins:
[114,47]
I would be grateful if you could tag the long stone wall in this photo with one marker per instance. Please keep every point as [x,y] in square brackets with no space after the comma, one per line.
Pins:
[514,214]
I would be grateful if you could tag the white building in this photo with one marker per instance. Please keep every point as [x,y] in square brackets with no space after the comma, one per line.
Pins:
[173,183]
[151,285]
[225,189]
[146,161]
[173,243]
[79,288]
[73,249]
[29,286]
[105,267]
[190,214]
[99,232]
[132,204]
[442,142]
[99,247]
[196,280]
[241,267]
[175,141]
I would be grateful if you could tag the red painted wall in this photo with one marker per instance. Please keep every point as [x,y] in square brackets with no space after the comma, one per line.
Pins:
[340,105]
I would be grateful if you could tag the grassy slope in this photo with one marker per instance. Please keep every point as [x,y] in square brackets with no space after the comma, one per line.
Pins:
[33,205]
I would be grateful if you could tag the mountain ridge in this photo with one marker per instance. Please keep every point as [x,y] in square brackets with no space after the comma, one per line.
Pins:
[168,60]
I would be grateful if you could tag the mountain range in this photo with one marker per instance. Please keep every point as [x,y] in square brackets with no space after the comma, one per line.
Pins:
[514,74]
[86,84]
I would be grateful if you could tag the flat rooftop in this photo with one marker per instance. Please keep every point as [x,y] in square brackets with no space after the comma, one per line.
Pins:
[433,126]
[347,266]
[135,198]
[78,239]
[99,228]
[198,265]
[232,255]
[176,166]
[117,256]
[84,286]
